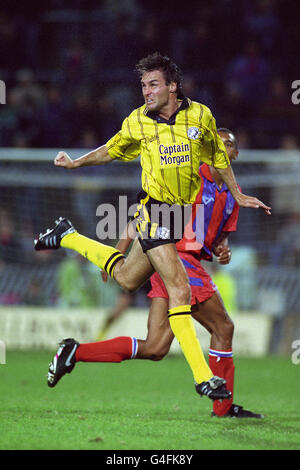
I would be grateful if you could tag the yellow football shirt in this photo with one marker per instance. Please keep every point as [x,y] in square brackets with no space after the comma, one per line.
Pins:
[170,151]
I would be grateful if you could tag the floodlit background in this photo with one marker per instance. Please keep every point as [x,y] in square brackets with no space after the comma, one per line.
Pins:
[70,81]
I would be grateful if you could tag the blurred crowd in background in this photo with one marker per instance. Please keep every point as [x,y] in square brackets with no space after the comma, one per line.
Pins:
[70,81]
[70,74]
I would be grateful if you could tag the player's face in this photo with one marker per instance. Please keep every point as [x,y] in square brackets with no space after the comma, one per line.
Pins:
[229,142]
[155,90]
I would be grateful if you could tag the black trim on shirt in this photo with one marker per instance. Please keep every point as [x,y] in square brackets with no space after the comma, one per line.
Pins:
[153,115]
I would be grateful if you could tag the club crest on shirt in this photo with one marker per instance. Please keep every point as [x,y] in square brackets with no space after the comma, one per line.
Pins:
[193,133]
[229,209]
[207,199]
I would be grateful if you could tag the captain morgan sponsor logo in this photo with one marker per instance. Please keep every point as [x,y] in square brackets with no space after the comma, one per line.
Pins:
[176,154]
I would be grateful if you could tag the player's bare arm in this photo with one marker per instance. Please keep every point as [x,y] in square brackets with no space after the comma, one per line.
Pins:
[99,156]
[243,200]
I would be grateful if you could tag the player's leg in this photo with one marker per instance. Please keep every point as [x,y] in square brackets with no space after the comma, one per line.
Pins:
[213,316]
[134,270]
[121,348]
[129,272]
[64,235]
[108,258]
[137,267]
[160,335]
[70,352]
[154,347]
[167,263]
[132,273]
[165,260]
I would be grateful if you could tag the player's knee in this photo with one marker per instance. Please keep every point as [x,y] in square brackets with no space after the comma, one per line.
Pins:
[230,326]
[128,287]
[127,284]
[180,293]
[227,329]
[157,356]
[157,352]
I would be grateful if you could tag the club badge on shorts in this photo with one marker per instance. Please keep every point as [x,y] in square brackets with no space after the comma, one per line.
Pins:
[193,133]
[163,233]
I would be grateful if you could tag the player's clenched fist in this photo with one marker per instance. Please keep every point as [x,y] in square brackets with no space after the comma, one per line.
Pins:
[223,254]
[63,159]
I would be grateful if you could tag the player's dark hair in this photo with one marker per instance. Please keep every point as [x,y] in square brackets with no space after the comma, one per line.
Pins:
[228,131]
[157,61]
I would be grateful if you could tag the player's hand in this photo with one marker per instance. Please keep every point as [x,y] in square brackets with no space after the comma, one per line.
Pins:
[62,159]
[252,202]
[223,254]
[104,275]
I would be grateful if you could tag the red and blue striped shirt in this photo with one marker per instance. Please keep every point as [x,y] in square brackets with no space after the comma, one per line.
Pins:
[220,214]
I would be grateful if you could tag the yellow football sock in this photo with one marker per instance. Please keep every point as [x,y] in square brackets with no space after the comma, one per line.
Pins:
[103,256]
[184,330]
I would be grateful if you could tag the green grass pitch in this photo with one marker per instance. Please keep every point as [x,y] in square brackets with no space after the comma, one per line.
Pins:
[143,405]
